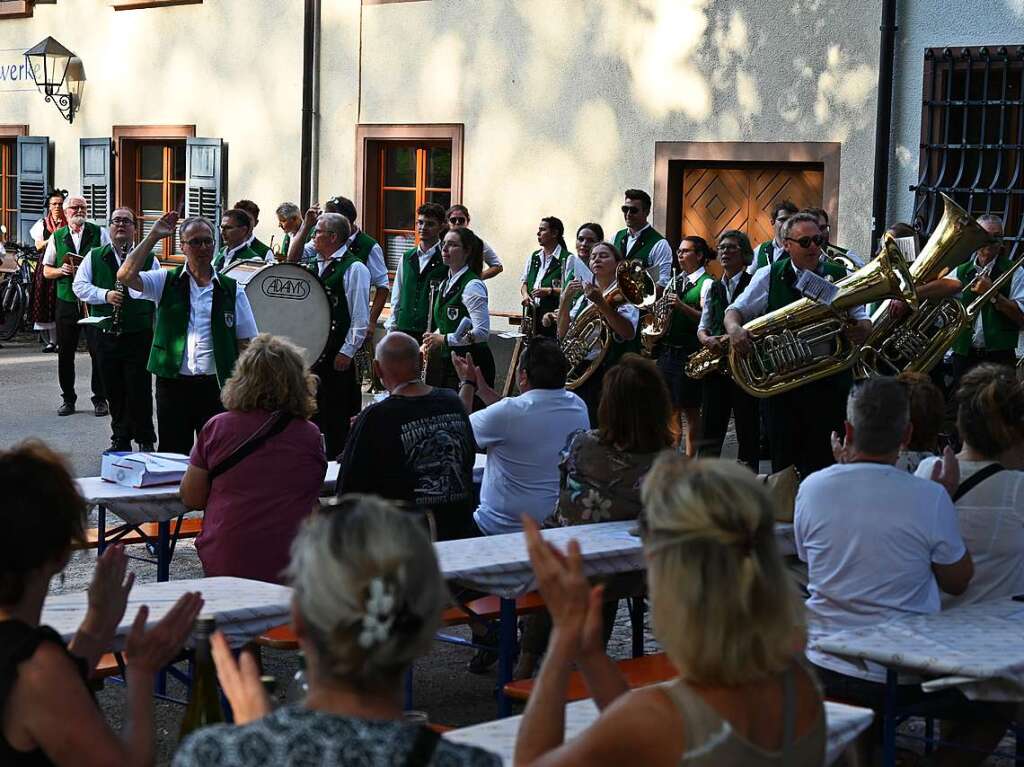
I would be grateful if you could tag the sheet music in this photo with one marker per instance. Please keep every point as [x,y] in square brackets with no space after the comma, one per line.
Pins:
[580,271]
[908,247]
[816,288]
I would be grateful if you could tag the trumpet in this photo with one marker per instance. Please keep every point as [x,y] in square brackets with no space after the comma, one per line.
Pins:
[655,325]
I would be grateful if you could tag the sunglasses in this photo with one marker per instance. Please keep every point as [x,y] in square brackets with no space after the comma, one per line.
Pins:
[200,242]
[457,220]
[627,209]
[805,242]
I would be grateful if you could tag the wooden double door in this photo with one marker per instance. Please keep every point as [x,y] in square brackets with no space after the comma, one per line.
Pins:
[720,196]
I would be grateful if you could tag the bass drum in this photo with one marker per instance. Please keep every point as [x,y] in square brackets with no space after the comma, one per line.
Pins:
[287,301]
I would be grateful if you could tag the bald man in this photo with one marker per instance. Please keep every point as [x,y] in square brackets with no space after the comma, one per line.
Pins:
[415,446]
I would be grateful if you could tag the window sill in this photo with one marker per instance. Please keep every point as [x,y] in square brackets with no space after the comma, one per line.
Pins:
[132,5]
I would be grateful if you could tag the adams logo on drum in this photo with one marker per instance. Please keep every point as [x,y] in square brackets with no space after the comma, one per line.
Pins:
[285,287]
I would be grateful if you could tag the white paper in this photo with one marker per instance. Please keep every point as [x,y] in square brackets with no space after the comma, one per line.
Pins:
[512,334]
[580,271]
[816,288]
[93,320]
[908,247]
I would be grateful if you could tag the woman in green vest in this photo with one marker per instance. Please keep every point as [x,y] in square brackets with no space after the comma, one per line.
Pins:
[542,278]
[684,300]
[460,322]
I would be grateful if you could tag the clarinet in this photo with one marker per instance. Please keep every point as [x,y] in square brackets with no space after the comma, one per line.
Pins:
[120,287]
[434,285]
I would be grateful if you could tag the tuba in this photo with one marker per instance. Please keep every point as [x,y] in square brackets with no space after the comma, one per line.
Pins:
[588,339]
[918,341]
[655,324]
[804,341]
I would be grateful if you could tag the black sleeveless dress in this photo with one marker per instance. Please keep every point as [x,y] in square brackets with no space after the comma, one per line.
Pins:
[18,643]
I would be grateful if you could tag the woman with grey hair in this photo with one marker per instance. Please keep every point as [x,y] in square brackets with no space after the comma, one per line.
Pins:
[368,599]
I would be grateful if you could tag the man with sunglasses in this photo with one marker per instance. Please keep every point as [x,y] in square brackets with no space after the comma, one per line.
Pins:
[458,218]
[829,248]
[122,345]
[640,241]
[771,250]
[800,421]
[64,251]
[203,320]
[236,235]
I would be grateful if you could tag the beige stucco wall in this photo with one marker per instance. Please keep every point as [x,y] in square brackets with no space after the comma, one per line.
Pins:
[232,73]
[563,100]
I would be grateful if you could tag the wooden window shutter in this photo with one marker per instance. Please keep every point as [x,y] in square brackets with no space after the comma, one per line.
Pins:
[35,177]
[205,175]
[97,163]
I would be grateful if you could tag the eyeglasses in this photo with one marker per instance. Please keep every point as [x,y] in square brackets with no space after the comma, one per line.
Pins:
[122,221]
[199,242]
[458,220]
[227,227]
[805,242]
[728,247]
[627,209]
[76,207]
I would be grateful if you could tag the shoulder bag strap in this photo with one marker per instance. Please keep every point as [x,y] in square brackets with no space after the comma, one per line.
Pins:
[976,479]
[422,751]
[274,425]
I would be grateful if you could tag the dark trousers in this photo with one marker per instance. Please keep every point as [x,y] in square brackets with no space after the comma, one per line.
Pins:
[183,406]
[722,398]
[129,386]
[67,316]
[338,398]
[801,422]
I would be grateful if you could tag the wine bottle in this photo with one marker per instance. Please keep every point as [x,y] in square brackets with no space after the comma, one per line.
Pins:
[204,701]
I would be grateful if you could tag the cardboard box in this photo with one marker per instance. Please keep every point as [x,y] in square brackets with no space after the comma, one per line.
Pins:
[144,469]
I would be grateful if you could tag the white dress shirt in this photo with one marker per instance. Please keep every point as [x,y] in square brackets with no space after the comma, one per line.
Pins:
[523,437]
[198,358]
[778,251]
[474,298]
[753,301]
[85,290]
[731,285]
[1017,289]
[423,256]
[268,256]
[490,257]
[356,282]
[1016,294]
[50,255]
[660,256]
[375,263]
[545,263]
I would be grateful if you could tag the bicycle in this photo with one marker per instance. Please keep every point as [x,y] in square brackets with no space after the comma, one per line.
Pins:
[16,289]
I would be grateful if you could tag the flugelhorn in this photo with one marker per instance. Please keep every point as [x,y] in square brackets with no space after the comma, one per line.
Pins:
[654,325]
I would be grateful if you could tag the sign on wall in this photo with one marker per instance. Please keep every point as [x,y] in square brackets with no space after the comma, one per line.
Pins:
[15,73]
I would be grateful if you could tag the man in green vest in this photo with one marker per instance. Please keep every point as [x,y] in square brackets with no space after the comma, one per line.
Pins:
[64,251]
[639,241]
[236,235]
[844,256]
[996,329]
[124,338]
[289,218]
[800,421]
[769,251]
[419,268]
[203,320]
[254,244]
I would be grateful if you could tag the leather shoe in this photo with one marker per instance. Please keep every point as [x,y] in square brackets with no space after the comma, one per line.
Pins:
[101,409]
[50,348]
[120,446]
[66,409]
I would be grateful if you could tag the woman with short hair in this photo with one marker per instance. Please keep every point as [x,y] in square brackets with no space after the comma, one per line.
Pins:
[258,468]
[990,499]
[727,614]
[368,599]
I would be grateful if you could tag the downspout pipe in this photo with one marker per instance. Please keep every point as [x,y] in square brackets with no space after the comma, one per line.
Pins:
[883,122]
[306,158]
[314,143]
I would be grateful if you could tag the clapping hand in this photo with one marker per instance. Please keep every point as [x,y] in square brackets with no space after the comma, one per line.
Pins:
[840,450]
[108,594]
[240,681]
[946,471]
[465,369]
[149,651]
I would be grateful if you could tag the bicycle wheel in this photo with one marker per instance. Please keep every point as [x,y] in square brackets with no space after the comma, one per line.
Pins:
[12,308]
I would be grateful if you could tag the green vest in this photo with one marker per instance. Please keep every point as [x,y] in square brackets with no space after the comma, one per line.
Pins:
[361,246]
[781,290]
[552,276]
[1000,333]
[764,253]
[260,247]
[64,245]
[172,314]
[243,254]
[448,307]
[414,300]
[285,242]
[717,302]
[642,247]
[136,313]
[333,280]
[682,330]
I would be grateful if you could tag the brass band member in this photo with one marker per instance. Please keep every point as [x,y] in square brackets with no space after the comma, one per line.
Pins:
[587,236]
[261,249]
[685,299]
[460,317]
[289,219]
[458,218]
[640,241]
[419,268]
[236,234]
[829,248]
[771,250]
[622,318]
[542,277]
[722,398]
[800,421]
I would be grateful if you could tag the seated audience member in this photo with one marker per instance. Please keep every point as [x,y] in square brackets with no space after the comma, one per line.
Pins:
[602,470]
[47,713]
[927,406]
[990,420]
[368,599]
[258,468]
[743,696]
[415,446]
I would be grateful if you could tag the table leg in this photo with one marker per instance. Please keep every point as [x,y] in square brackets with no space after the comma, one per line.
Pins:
[506,651]
[163,551]
[101,529]
[636,621]
[889,721]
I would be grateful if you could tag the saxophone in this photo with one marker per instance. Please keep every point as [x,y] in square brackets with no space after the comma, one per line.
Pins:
[120,287]
[655,325]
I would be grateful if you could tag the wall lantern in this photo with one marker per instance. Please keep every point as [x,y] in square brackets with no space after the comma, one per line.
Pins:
[58,74]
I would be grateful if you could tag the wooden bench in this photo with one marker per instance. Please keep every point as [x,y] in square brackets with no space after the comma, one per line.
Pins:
[639,672]
[190,528]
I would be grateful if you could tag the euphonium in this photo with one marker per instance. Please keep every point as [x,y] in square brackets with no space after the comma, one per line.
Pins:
[919,339]
[654,326]
[804,341]
[588,339]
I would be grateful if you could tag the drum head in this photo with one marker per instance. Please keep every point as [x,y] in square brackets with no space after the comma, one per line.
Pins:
[243,271]
[288,301]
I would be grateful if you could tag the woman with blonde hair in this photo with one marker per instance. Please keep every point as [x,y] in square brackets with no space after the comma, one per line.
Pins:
[726,613]
[258,468]
[367,601]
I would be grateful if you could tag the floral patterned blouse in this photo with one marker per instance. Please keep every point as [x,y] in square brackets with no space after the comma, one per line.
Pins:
[598,482]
